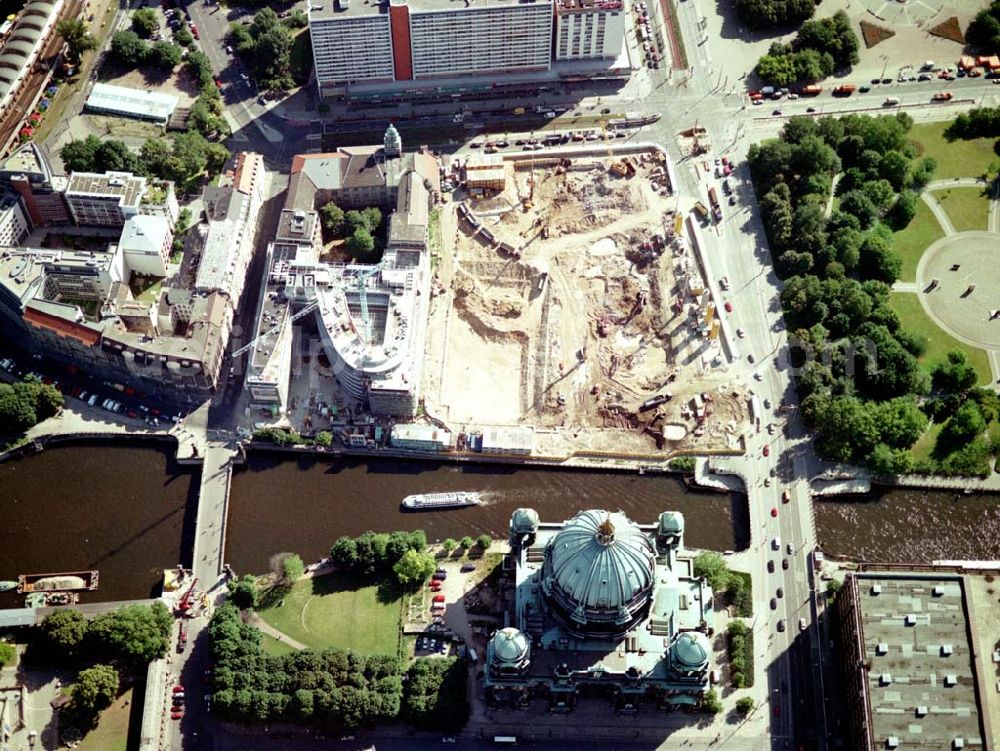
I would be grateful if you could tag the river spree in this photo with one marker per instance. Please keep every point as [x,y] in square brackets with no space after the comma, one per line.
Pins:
[911,526]
[120,510]
[302,506]
[128,511]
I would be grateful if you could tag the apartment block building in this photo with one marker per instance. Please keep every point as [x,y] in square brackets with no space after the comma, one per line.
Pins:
[589,29]
[146,242]
[366,42]
[78,306]
[103,200]
[13,221]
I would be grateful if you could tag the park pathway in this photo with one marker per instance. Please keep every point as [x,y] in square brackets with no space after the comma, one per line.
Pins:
[271,631]
[939,212]
[992,225]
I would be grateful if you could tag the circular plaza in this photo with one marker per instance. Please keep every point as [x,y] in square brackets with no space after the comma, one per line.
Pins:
[957,279]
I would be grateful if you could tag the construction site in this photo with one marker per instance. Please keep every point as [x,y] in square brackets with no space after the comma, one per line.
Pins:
[566,297]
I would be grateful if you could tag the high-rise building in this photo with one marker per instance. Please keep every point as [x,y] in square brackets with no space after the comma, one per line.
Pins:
[366,42]
[589,29]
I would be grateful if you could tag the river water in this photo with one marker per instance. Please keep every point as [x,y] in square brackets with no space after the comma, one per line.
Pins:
[129,512]
[279,505]
[124,511]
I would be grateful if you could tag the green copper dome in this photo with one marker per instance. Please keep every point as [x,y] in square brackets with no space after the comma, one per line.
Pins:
[690,650]
[599,570]
[510,645]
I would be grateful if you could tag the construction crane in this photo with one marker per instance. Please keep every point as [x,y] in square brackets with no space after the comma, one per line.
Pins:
[275,329]
[362,279]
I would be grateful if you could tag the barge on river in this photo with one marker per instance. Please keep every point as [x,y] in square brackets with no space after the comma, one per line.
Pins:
[436,501]
[65,582]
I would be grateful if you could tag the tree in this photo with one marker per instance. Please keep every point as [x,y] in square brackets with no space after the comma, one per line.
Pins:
[744,706]
[17,413]
[77,36]
[956,374]
[449,546]
[8,653]
[200,67]
[903,210]
[216,156]
[765,14]
[858,204]
[128,48]
[878,260]
[183,36]
[164,55]
[465,543]
[414,568]
[153,157]
[984,31]
[435,697]
[713,567]
[483,542]
[710,702]
[115,156]
[95,689]
[243,592]
[361,245]
[64,631]
[333,218]
[344,553]
[777,70]
[292,568]
[899,422]
[80,156]
[145,22]
[135,633]
[967,423]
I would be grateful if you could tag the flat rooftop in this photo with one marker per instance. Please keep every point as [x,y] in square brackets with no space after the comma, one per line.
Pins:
[123,185]
[332,9]
[922,685]
[588,6]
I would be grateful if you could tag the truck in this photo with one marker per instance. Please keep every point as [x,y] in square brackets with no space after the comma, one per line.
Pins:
[845,89]
[812,89]
[701,211]
[713,200]
[942,96]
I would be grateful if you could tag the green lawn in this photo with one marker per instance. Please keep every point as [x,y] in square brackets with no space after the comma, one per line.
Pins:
[111,733]
[967,208]
[939,343]
[340,611]
[272,646]
[956,158]
[145,288]
[911,242]
[924,447]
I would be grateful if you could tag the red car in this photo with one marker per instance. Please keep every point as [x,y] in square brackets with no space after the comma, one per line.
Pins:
[176,715]
[178,689]
[194,32]
[729,306]
[767,450]
[438,598]
[774,511]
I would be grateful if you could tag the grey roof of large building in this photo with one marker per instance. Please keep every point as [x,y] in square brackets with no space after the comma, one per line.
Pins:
[922,687]
[327,10]
[137,102]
